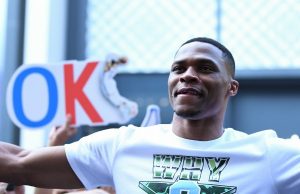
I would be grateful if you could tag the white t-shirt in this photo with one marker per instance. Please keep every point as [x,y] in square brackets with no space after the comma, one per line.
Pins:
[154,160]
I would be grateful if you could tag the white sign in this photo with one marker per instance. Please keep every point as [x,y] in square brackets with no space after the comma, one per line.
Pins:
[42,95]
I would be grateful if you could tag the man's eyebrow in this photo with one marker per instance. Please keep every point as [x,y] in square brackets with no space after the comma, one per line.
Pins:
[205,60]
[179,62]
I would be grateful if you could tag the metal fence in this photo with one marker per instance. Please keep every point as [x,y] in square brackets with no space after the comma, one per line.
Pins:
[261,34]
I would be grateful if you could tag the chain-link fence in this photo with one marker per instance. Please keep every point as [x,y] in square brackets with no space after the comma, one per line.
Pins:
[261,34]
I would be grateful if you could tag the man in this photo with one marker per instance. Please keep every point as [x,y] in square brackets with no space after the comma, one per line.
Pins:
[193,154]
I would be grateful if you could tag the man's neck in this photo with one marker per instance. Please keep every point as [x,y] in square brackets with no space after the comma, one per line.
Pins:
[202,129]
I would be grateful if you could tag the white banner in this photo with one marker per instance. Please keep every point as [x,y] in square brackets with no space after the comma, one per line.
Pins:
[40,95]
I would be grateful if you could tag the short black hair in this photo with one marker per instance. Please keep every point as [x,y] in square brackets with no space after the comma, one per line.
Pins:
[228,57]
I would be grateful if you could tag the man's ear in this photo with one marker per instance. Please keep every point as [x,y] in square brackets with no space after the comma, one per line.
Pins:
[233,87]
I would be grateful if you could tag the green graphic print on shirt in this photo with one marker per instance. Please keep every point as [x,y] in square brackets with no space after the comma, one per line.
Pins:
[181,175]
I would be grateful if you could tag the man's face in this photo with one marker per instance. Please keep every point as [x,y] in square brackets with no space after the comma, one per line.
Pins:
[199,82]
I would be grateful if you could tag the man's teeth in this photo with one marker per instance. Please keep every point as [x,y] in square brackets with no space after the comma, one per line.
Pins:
[188,91]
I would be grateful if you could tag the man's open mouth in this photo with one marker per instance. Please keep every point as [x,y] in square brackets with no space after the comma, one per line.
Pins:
[188,91]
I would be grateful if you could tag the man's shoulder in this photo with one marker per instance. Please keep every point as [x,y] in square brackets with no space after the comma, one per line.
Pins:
[237,134]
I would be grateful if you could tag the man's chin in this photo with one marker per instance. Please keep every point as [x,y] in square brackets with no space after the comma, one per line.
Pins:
[187,114]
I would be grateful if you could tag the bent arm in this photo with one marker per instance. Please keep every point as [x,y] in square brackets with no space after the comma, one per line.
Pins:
[45,167]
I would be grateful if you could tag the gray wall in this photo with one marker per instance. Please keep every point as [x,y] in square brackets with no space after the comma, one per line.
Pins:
[267,102]
[264,101]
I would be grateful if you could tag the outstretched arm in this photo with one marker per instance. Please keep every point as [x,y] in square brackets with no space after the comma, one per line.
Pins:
[58,136]
[45,167]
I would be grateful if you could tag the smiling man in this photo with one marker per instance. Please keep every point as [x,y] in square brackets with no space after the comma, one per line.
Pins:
[200,84]
[194,154]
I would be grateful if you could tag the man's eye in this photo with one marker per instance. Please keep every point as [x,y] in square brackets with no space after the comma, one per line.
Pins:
[207,69]
[177,69]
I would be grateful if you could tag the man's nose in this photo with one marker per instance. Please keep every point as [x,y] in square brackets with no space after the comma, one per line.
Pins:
[189,75]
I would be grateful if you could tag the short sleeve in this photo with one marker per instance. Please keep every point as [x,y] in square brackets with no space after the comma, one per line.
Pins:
[91,158]
[285,164]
